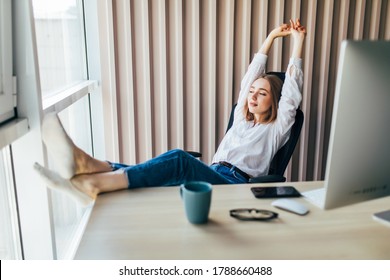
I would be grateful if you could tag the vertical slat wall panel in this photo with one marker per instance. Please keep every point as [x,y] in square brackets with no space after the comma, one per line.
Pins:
[339,32]
[259,24]
[387,19]
[225,52]
[375,17]
[309,12]
[292,10]
[276,8]
[143,80]
[208,77]
[125,81]
[360,7]
[342,28]
[175,74]
[159,76]
[179,67]
[106,27]
[192,74]
[242,55]
[324,63]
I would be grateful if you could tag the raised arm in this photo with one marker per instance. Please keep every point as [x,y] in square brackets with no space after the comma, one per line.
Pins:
[281,31]
[293,83]
[298,33]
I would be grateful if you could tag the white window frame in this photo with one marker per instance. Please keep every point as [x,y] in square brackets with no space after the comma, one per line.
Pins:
[9,132]
[6,83]
[15,248]
[34,200]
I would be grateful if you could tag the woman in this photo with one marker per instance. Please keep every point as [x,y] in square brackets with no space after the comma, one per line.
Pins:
[264,115]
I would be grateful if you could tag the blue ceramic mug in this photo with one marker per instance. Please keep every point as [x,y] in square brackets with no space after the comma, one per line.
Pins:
[197,200]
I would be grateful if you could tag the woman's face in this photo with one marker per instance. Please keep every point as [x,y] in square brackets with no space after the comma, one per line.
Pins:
[259,99]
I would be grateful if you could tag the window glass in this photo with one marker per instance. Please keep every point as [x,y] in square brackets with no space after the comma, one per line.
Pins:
[60,41]
[67,215]
[59,29]
[9,230]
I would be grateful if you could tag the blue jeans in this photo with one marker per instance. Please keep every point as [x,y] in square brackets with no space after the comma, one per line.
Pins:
[176,167]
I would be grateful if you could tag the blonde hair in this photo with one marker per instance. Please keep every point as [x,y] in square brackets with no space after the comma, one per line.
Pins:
[276,85]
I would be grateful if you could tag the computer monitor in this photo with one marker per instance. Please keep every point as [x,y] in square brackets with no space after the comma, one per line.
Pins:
[358,163]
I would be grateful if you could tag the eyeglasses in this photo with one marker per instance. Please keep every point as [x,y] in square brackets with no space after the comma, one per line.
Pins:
[247,214]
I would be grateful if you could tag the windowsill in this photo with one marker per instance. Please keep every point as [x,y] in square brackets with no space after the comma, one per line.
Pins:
[12,130]
[64,99]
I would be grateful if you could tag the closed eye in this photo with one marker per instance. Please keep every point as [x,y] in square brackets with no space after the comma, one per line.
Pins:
[263,91]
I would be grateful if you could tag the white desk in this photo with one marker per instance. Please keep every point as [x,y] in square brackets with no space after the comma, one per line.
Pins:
[150,223]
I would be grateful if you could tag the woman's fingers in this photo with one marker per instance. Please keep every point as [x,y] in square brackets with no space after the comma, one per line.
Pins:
[297,25]
[292,24]
[285,27]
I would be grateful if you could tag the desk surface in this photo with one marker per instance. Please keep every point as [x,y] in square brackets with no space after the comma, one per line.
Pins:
[150,223]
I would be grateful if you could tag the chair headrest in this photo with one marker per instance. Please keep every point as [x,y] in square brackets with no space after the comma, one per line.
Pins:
[280,75]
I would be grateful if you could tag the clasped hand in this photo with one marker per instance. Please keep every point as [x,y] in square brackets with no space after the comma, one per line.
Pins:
[295,29]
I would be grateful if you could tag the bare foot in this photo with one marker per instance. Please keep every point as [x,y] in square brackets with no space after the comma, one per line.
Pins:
[59,145]
[69,159]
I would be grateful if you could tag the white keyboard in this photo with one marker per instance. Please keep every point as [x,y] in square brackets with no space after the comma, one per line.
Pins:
[317,197]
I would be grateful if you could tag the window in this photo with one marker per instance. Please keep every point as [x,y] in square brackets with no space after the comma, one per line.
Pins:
[50,62]
[9,231]
[60,41]
[6,91]
[68,217]
[10,243]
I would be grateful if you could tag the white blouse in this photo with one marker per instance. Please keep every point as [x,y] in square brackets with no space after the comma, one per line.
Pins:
[252,147]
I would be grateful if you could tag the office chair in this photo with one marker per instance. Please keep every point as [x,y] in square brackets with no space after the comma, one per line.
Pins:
[282,157]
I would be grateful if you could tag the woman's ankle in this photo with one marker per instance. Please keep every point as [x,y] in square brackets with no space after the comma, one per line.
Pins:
[85,164]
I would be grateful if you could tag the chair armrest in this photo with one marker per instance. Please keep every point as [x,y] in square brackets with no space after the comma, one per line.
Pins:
[195,154]
[268,179]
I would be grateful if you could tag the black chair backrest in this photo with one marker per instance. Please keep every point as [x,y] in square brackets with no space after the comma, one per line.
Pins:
[282,157]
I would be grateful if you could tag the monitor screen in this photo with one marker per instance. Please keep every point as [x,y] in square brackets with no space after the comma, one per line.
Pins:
[358,164]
